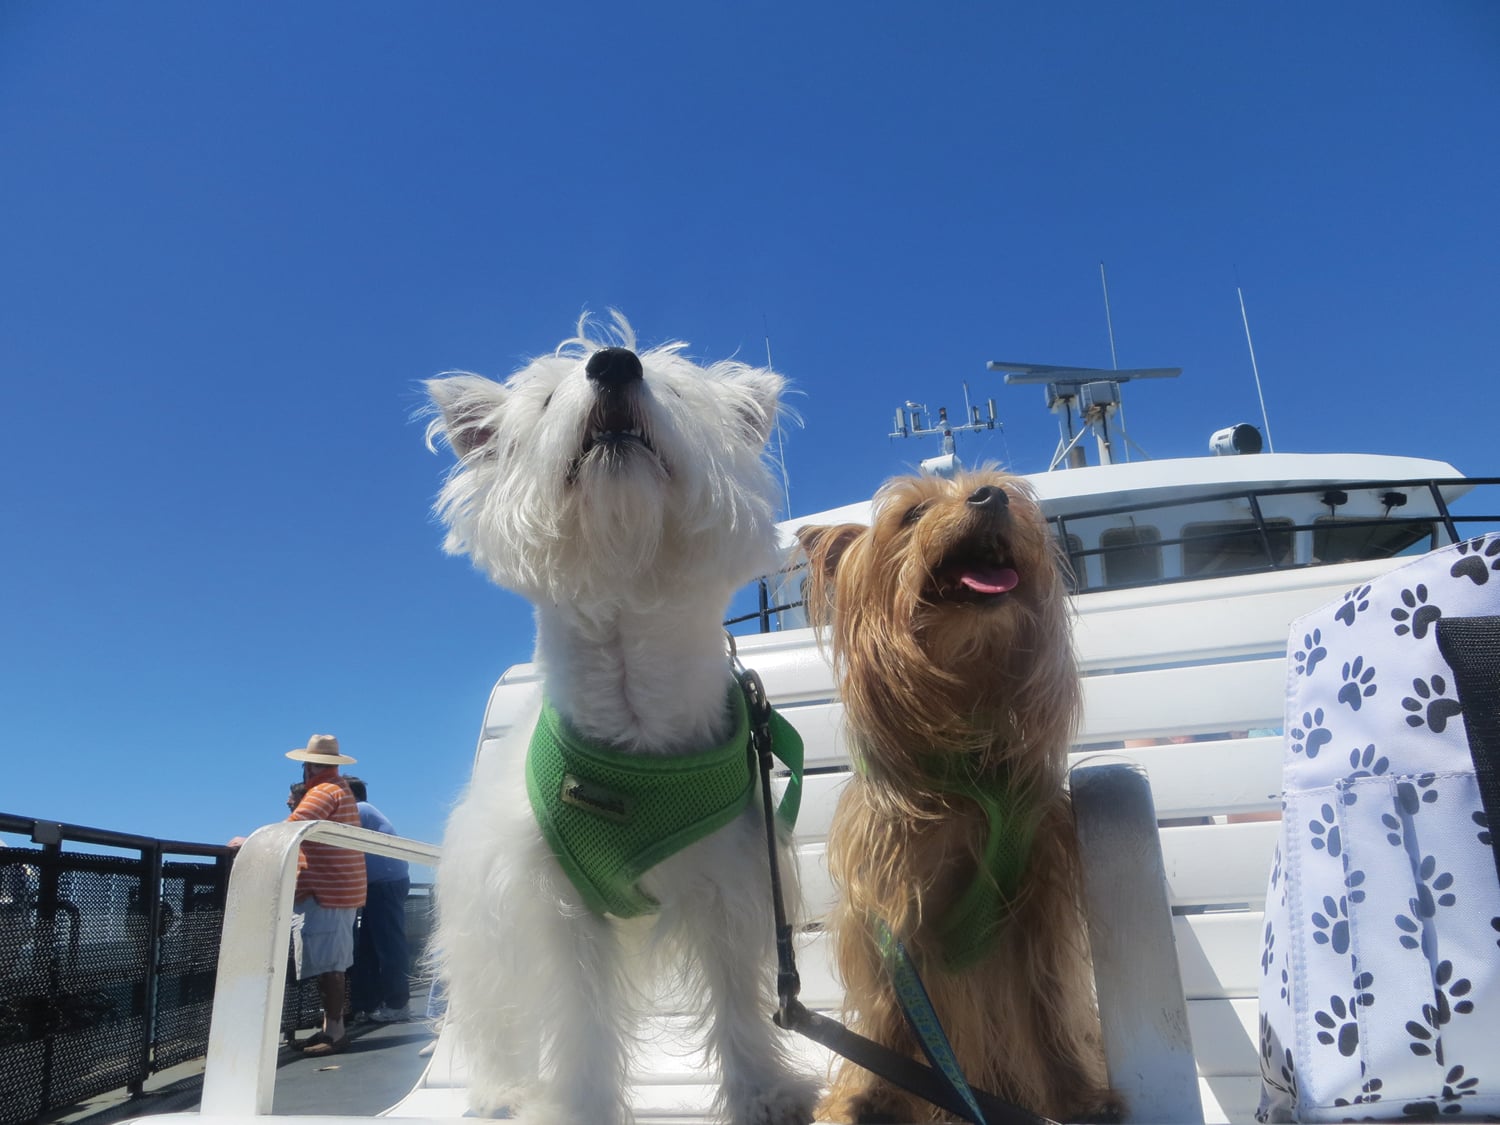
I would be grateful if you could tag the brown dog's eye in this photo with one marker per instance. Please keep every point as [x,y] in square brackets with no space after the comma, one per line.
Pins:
[914,513]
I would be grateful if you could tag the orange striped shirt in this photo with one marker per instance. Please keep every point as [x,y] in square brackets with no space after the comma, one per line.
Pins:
[332,875]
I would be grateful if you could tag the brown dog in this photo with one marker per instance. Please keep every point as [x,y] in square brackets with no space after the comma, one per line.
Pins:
[951,642]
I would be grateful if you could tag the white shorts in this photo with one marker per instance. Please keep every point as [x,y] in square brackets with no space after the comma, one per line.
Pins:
[322,938]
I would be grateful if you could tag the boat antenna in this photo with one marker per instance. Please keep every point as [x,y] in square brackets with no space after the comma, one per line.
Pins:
[914,420]
[786,480]
[1114,357]
[1109,323]
[1092,393]
[1264,417]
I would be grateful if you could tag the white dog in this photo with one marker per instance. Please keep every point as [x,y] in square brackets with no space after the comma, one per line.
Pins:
[626,498]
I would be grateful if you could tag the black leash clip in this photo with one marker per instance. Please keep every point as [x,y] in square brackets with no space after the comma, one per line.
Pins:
[788,980]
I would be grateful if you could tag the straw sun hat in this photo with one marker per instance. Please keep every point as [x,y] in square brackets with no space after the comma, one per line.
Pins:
[322,749]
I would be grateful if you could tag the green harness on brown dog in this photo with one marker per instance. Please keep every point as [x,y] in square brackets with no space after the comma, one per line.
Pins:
[971,925]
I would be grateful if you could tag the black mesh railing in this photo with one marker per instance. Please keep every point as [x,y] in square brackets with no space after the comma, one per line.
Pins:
[108,962]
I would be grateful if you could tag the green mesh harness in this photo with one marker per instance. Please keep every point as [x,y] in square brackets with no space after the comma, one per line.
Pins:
[971,925]
[611,816]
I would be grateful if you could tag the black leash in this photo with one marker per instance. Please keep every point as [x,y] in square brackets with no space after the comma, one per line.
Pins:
[930,1083]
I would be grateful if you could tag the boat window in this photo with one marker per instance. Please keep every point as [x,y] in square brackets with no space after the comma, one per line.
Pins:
[1076,572]
[1336,540]
[1234,547]
[1131,555]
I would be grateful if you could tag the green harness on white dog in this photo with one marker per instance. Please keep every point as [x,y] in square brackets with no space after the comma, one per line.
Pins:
[611,816]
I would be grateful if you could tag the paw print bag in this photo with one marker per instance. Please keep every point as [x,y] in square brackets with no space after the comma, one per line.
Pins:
[1380,994]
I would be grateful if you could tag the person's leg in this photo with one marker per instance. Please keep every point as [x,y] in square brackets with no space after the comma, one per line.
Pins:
[300,962]
[328,951]
[364,978]
[331,990]
[385,917]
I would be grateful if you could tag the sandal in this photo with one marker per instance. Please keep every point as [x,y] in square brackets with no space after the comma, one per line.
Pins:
[328,1046]
[313,1040]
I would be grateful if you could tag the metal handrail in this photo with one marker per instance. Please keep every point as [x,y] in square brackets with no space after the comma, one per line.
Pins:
[1194,498]
[252,955]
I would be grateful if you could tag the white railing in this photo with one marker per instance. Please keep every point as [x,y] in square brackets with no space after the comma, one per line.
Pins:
[240,1075]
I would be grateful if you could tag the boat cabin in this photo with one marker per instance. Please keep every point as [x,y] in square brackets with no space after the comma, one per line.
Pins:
[1144,523]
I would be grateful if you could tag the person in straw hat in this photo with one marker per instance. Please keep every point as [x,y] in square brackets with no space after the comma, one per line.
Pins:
[330,888]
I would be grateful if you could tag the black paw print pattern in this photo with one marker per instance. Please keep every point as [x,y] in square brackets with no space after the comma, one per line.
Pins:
[1433,891]
[1277,1067]
[1267,950]
[1339,1023]
[1324,832]
[1396,833]
[1369,1094]
[1355,602]
[1424,1038]
[1431,695]
[1477,558]
[1449,999]
[1452,995]
[1455,1085]
[1354,882]
[1368,762]
[1311,736]
[1359,683]
[1484,827]
[1412,795]
[1331,924]
[1311,654]
[1414,615]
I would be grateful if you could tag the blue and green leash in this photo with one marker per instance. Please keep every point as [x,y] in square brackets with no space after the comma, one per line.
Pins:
[942,1081]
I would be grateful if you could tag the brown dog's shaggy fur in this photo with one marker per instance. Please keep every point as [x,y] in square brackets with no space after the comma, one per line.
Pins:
[952,645]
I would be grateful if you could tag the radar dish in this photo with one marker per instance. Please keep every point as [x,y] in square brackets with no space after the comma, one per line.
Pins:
[1036,373]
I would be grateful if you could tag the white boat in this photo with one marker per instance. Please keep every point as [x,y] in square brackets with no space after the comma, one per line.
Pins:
[1189,572]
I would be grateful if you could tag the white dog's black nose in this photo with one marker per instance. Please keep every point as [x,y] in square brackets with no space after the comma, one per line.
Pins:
[613,367]
[989,497]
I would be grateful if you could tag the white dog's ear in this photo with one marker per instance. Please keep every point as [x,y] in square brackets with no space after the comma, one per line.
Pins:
[763,388]
[469,407]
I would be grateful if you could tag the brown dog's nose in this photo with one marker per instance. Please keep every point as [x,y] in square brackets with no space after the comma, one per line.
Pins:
[613,368]
[989,497]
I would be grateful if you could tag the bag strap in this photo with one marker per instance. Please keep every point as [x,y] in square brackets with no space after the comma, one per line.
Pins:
[1471,646]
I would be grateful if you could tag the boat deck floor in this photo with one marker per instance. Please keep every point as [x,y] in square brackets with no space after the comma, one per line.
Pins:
[380,1067]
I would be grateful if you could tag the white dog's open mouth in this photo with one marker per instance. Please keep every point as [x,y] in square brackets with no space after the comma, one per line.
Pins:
[614,435]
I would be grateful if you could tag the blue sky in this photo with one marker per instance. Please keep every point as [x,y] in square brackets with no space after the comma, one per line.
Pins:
[236,236]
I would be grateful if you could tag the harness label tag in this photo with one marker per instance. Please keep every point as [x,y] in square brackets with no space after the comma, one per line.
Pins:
[603,803]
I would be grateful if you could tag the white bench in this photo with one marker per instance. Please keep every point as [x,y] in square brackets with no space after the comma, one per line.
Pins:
[1159,663]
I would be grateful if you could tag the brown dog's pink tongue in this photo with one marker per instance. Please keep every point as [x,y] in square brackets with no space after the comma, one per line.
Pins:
[990,579]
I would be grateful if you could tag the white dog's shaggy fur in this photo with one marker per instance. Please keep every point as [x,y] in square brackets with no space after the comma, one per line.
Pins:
[627,514]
